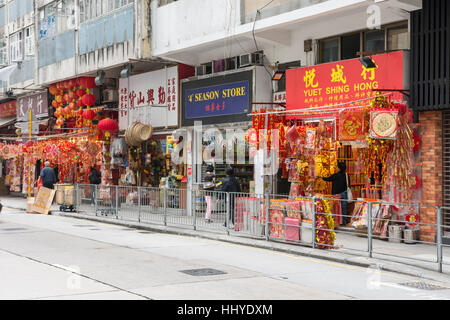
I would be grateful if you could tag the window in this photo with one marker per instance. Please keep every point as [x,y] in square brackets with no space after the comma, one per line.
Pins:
[29,41]
[374,40]
[91,9]
[3,52]
[56,17]
[350,46]
[392,37]
[329,50]
[15,46]
[398,38]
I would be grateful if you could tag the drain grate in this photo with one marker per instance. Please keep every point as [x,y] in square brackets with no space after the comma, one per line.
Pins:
[203,272]
[423,285]
[14,229]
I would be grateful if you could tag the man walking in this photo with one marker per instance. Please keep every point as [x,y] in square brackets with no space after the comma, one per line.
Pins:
[231,185]
[48,176]
[94,179]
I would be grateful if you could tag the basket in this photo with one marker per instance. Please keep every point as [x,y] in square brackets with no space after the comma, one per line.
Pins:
[141,132]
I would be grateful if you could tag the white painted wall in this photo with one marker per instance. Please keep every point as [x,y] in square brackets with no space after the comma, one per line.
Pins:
[199,31]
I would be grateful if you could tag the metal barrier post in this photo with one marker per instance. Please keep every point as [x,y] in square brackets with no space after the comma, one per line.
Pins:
[139,203]
[313,226]
[267,214]
[228,214]
[194,210]
[164,189]
[439,237]
[94,198]
[77,203]
[117,202]
[369,229]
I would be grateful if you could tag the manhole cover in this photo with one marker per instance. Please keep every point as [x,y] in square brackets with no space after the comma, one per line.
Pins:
[203,272]
[14,229]
[423,285]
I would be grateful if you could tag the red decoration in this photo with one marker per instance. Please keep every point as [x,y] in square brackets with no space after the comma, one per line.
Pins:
[80,112]
[108,125]
[88,100]
[80,92]
[55,104]
[417,142]
[80,103]
[59,99]
[54,90]
[88,114]
[351,125]
[418,182]
[72,106]
[66,98]
[87,82]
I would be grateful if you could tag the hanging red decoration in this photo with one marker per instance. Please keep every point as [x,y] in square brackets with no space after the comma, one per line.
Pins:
[71,95]
[417,142]
[72,84]
[88,99]
[88,114]
[72,106]
[108,127]
[87,82]
[66,98]
[80,92]
[55,104]
[54,90]
[80,112]
[80,103]
[59,99]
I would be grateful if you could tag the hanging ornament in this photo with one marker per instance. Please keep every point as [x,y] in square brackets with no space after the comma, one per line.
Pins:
[88,99]
[87,82]
[88,114]
[54,90]
[108,127]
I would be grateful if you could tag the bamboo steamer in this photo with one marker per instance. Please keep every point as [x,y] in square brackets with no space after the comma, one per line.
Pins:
[129,139]
[141,132]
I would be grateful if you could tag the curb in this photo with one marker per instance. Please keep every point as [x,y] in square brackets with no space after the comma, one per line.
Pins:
[298,250]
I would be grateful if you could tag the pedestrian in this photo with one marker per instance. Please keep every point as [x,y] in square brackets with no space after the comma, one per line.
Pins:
[48,176]
[94,180]
[231,185]
[209,187]
[339,187]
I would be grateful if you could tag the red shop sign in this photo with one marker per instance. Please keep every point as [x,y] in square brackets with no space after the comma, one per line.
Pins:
[8,109]
[344,81]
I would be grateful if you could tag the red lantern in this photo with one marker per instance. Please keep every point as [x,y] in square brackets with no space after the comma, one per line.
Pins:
[87,82]
[80,103]
[66,111]
[80,92]
[66,98]
[53,90]
[88,99]
[108,126]
[72,106]
[59,99]
[72,84]
[88,114]
[71,95]
[55,104]
[80,112]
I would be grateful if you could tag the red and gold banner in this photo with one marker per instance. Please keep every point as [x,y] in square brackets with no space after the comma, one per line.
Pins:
[344,81]
[352,125]
[8,109]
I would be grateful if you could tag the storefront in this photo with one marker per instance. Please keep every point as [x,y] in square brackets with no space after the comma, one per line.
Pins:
[344,112]
[148,114]
[215,115]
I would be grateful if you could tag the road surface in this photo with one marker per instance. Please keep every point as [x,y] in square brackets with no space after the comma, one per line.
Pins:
[53,257]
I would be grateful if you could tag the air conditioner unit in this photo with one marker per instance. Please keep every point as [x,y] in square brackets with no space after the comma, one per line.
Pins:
[251,59]
[110,95]
[231,63]
[205,68]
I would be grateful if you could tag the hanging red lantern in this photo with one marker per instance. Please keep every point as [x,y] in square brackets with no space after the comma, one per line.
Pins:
[66,111]
[71,95]
[88,114]
[88,99]
[80,112]
[60,122]
[72,106]
[66,98]
[80,92]
[80,103]
[108,127]
[59,86]
[55,104]
[87,82]
[59,98]
[72,84]
[54,90]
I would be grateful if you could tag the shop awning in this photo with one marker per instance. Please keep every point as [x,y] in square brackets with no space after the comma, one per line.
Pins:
[7,121]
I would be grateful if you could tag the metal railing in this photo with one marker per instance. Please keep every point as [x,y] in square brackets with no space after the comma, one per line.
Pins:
[377,227]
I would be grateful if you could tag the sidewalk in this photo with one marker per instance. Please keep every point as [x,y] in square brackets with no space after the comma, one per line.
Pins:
[352,249]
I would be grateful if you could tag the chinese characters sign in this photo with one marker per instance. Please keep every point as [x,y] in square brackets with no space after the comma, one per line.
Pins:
[224,99]
[8,109]
[38,104]
[344,81]
[151,98]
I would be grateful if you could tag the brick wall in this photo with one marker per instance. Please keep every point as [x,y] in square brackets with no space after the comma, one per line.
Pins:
[431,151]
